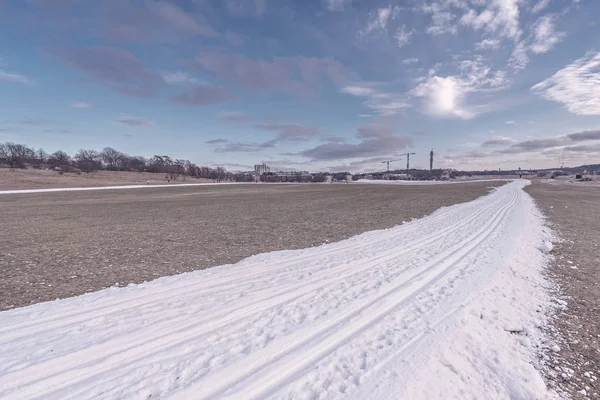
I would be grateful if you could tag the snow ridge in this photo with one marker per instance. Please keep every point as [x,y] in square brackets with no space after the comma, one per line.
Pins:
[449,306]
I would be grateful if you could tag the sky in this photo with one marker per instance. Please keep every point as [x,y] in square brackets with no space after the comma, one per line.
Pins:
[319,85]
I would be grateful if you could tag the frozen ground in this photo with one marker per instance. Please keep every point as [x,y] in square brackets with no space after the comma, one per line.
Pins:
[448,306]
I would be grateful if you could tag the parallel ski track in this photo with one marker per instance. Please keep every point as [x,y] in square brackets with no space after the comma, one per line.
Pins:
[298,357]
[8,333]
[290,356]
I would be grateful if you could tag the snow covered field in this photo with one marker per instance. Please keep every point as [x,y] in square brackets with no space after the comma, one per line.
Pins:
[448,306]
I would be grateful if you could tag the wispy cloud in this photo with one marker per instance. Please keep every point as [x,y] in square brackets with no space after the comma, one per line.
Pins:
[378,19]
[375,140]
[403,36]
[487,44]
[288,131]
[497,142]
[545,36]
[134,121]
[175,78]
[540,5]
[81,104]
[336,5]
[203,95]
[14,78]
[118,69]
[546,143]
[295,75]
[36,121]
[576,86]
[381,102]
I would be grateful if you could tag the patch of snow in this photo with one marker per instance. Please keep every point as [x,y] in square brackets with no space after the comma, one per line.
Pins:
[401,182]
[79,189]
[448,306]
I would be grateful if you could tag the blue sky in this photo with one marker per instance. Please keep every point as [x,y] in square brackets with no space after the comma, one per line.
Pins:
[314,84]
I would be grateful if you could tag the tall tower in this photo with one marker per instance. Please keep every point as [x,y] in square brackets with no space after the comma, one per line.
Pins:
[431,160]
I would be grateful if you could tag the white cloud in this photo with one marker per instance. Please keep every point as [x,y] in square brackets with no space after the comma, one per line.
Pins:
[337,5]
[576,86]
[540,5]
[378,19]
[384,104]
[519,57]
[499,17]
[403,36]
[445,96]
[358,90]
[545,36]
[81,104]
[442,20]
[175,78]
[511,122]
[487,44]
[14,78]
[476,75]
[410,61]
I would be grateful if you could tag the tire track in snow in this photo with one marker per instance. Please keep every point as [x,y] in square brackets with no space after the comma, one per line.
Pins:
[99,366]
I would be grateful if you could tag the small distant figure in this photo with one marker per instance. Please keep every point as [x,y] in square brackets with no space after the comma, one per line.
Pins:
[147,182]
[168,181]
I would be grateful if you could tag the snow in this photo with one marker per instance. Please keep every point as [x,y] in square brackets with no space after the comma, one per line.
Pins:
[448,306]
[449,182]
[79,189]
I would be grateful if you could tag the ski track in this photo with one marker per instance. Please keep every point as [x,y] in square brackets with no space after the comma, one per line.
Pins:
[316,323]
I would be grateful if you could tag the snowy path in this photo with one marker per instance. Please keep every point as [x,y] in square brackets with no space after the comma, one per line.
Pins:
[422,310]
[450,182]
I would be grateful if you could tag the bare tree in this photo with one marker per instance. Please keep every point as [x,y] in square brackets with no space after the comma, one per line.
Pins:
[59,159]
[17,155]
[88,160]
[137,164]
[112,158]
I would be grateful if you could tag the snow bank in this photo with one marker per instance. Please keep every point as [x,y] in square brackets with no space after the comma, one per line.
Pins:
[448,306]
[78,189]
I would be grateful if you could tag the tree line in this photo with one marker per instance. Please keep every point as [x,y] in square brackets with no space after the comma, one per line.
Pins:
[20,156]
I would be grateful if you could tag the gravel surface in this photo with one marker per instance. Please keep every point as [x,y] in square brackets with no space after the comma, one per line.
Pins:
[56,245]
[574,213]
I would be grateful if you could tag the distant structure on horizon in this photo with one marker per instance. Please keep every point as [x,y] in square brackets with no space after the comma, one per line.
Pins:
[260,169]
[431,160]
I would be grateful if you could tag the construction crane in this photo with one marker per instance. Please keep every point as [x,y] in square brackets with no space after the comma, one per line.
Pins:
[408,159]
[388,164]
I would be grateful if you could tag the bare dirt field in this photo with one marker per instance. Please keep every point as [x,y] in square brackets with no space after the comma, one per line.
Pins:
[40,179]
[62,244]
[573,212]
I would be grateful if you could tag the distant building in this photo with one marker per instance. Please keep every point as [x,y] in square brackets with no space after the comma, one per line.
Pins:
[260,169]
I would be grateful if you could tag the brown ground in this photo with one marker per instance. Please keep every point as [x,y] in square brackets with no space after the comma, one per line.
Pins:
[38,179]
[62,244]
[573,212]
